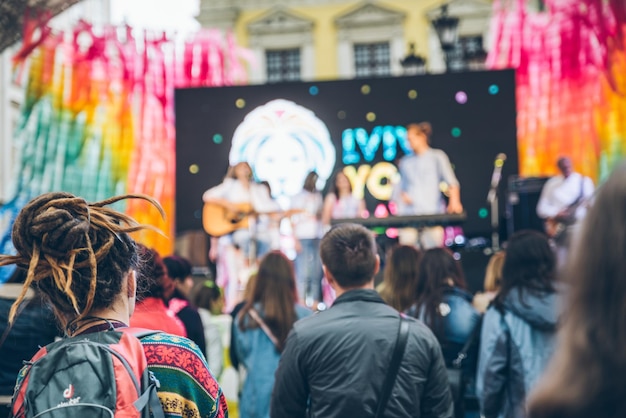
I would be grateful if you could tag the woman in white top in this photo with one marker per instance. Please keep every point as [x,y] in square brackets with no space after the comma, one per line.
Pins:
[307,231]
[340,202]
[232,252]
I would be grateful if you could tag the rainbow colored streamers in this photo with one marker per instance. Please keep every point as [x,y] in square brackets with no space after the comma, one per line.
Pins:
[571,67]
[98,116]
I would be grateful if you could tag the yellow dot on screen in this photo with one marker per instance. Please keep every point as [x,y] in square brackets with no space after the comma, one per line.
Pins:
[240,103]
[371,116]
[366,89]
[412,94]
[499,162]
[193,168]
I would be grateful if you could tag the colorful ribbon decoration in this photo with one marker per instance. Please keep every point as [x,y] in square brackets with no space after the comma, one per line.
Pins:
[98,116]
[571,82]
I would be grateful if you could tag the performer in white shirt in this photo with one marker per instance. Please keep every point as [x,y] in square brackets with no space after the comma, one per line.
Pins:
[237,251]
[563,203]
[307,232]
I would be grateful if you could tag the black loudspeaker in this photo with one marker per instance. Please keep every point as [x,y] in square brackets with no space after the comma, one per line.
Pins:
[521,203]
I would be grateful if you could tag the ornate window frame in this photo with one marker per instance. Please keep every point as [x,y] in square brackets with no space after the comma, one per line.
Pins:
[282,29]
[369,23]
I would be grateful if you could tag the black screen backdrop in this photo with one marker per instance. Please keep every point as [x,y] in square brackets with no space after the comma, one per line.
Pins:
[472,114]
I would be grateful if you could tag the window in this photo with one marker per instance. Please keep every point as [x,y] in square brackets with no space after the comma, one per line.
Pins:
[282,43]
[370,41]
[467,49]
[283,65]
[372,60]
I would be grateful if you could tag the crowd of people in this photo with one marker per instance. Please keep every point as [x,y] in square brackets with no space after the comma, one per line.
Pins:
[543,339]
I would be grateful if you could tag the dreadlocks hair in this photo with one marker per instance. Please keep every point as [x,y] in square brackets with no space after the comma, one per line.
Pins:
[77,253]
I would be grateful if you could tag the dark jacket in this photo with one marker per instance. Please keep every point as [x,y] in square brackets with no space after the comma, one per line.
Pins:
[515,349]
[190,318]
[34,327]
[458,321]
[337,360]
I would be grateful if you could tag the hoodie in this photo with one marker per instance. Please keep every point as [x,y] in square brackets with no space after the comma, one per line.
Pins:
[516,345]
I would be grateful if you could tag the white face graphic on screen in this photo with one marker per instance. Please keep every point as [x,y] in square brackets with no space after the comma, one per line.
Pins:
[283,142]
[282,161]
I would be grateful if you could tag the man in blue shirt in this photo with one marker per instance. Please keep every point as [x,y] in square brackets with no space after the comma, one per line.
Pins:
[422,175]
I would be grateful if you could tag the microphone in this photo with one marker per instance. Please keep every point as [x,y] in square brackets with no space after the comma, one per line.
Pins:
[496,176]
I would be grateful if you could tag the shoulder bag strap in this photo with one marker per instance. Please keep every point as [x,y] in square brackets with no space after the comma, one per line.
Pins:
[255,315]
[392,372]
[458,361]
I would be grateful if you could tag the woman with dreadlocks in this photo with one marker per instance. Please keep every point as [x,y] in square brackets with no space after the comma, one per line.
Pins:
[82,259]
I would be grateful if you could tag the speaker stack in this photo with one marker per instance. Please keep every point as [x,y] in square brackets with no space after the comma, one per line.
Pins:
[521,203]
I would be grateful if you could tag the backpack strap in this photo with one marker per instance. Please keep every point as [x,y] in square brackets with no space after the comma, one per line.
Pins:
[149,382]
[266,329]
[149,397]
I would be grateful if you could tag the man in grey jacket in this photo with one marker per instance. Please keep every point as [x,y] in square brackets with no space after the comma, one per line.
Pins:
[335,362]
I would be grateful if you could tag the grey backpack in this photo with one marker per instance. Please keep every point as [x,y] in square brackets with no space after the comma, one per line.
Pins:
[102,374]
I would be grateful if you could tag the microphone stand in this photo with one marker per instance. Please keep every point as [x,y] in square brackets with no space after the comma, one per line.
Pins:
[492,198]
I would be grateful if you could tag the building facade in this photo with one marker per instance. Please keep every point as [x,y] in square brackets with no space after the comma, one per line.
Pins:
[330,39]
[295,40]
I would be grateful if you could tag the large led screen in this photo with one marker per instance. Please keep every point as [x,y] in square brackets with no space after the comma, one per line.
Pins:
[359,126]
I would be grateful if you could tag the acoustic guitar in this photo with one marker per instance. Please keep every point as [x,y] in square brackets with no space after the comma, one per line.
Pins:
[217,220]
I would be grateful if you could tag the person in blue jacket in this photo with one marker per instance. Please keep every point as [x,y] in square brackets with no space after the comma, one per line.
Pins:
[518,334]
[261,329]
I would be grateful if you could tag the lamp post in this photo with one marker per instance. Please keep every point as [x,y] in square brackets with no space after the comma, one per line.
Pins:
[412,63]
[447,28]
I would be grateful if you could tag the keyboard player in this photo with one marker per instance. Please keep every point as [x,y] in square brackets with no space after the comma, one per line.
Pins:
[419,190]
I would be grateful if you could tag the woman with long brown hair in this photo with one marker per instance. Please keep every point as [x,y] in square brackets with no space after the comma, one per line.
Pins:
[262,328]
[340,202]
[400,277]
[444,304]
[588,376]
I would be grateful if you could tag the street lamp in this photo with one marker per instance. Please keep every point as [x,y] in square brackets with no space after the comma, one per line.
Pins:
[413,64]
[447,28]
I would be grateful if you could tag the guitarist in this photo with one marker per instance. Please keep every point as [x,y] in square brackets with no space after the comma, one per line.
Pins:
[238,194]
[562,203]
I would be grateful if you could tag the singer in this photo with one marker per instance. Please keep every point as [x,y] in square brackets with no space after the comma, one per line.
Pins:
[419,191]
